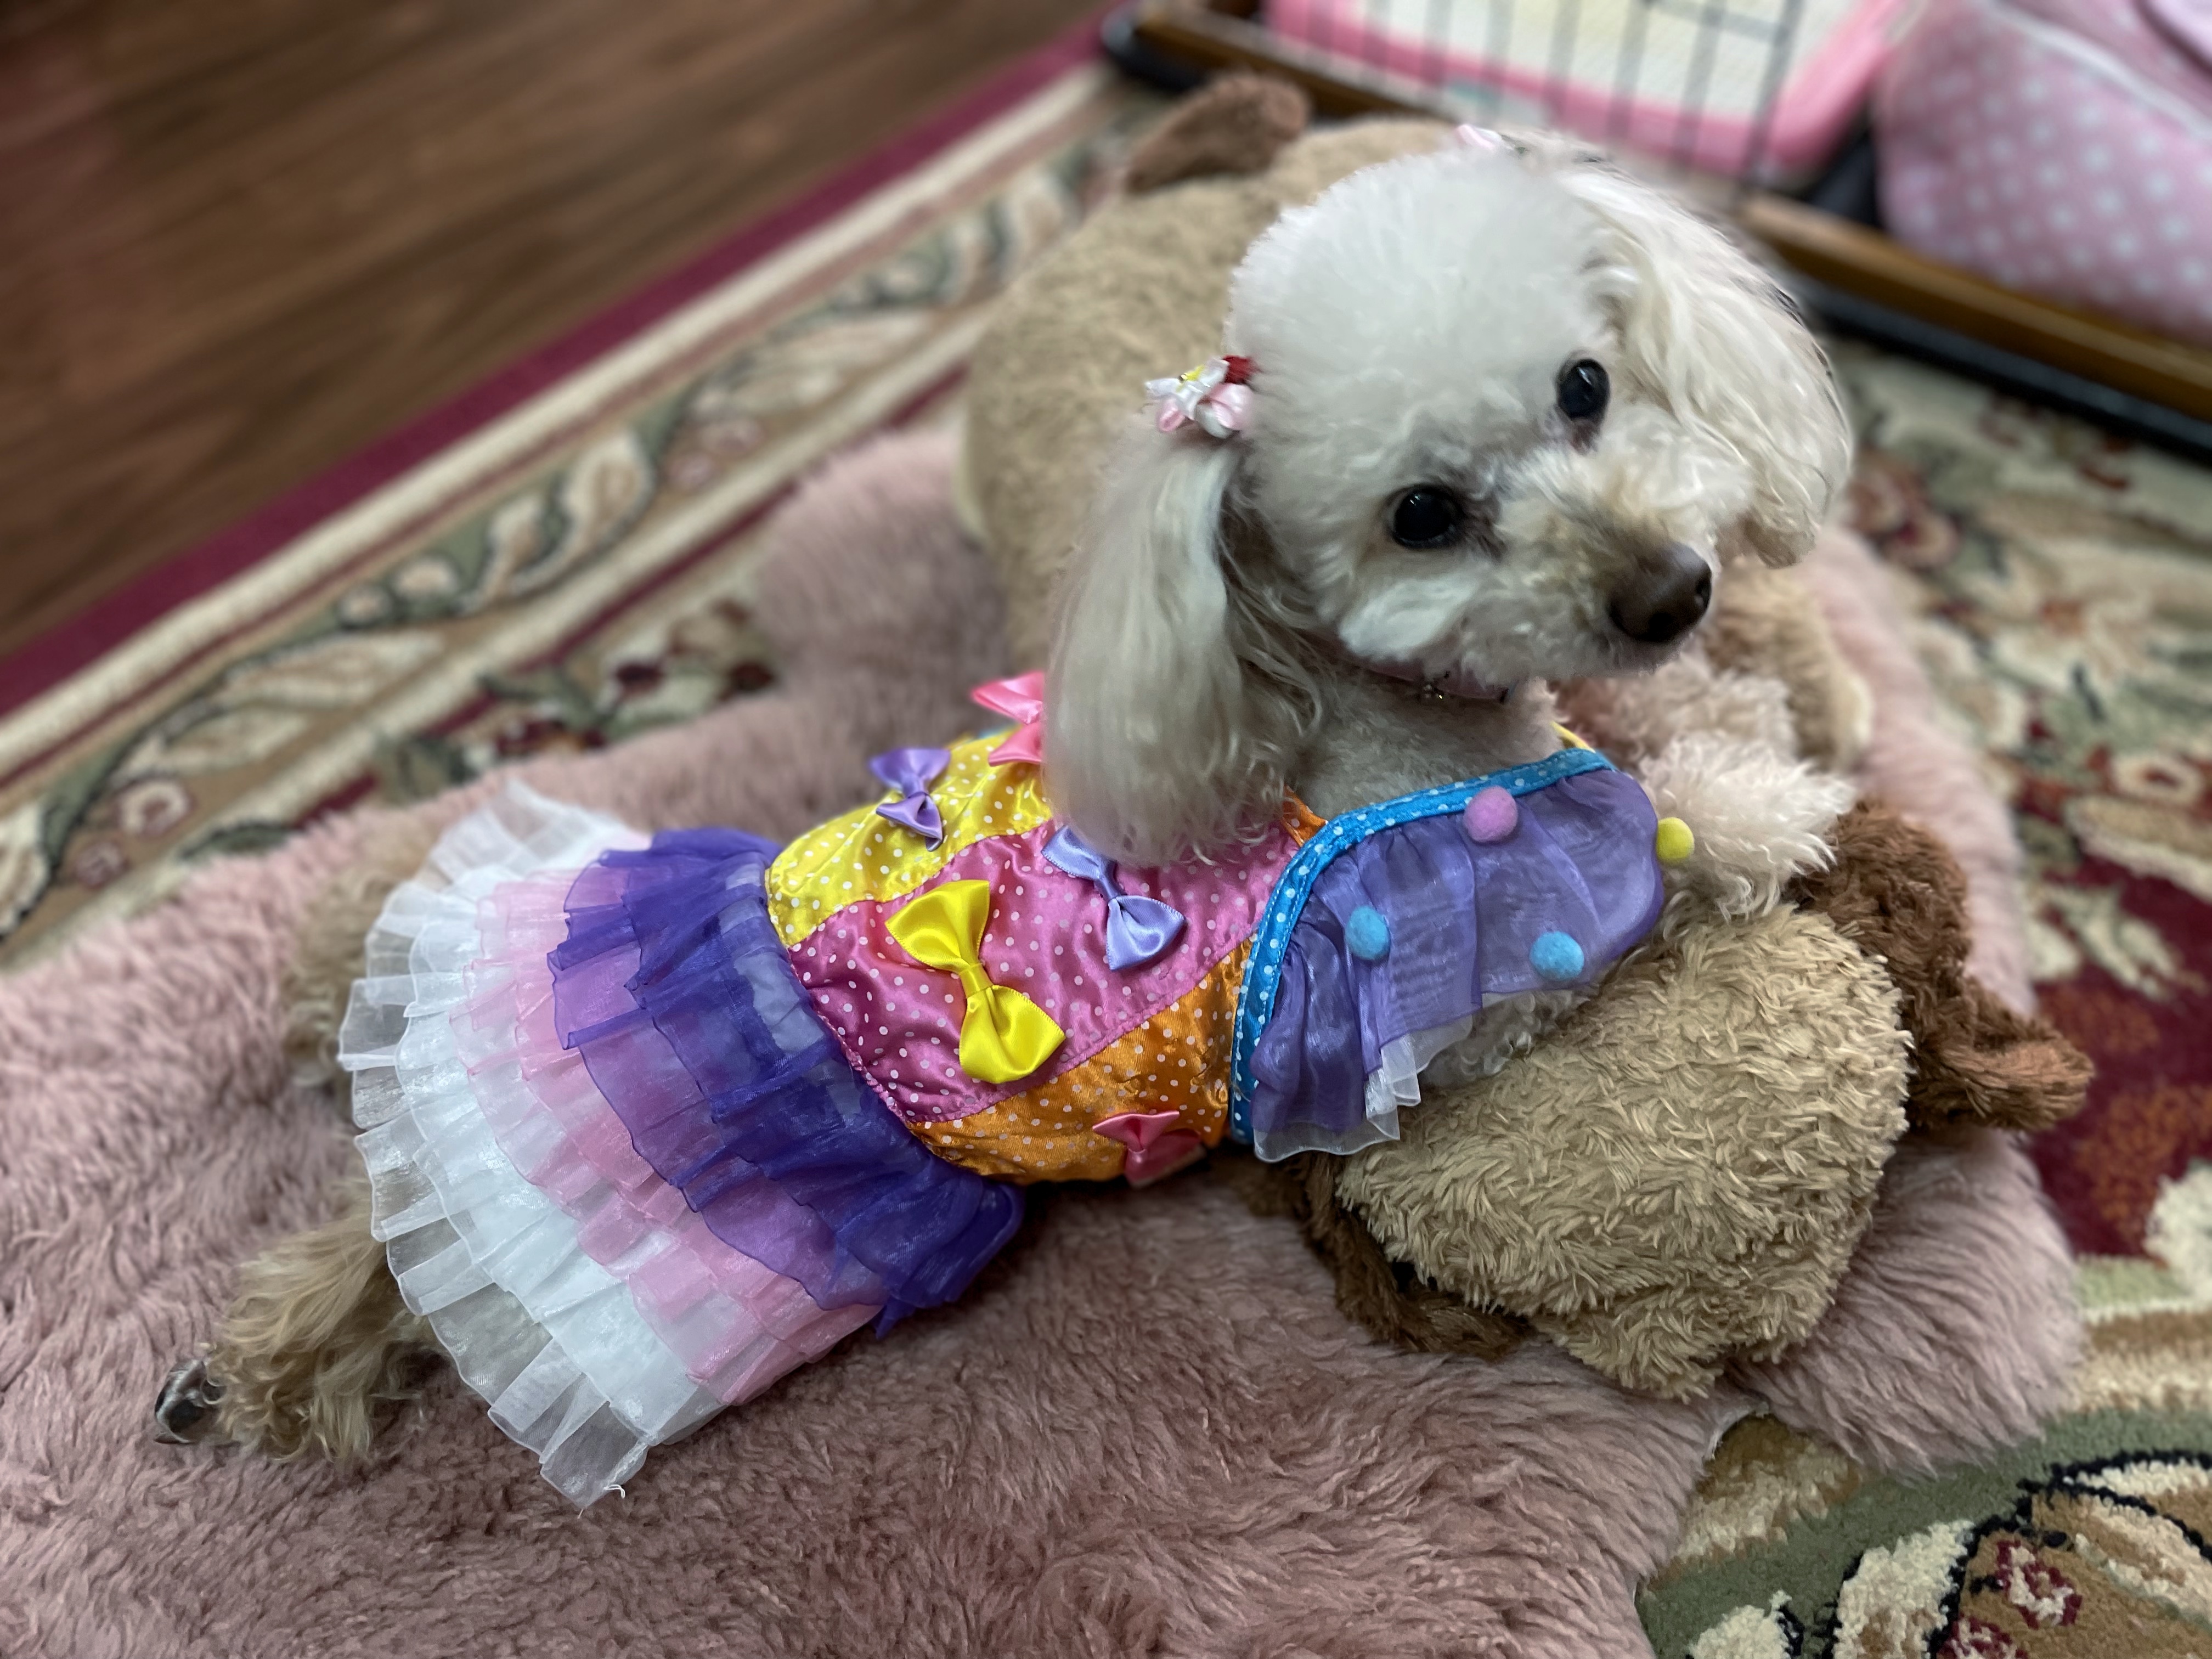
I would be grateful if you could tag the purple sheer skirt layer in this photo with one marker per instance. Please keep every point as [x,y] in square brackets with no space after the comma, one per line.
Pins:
[735,1325]
[674,989]
[592,1321]
[1365,1001]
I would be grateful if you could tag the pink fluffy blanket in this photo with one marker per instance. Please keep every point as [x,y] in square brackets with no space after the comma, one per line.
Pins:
[1147,1429]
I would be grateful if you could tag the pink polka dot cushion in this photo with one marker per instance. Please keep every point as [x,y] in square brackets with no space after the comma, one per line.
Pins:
[2059,147]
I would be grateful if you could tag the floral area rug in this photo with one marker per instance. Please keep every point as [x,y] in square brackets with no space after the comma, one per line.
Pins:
[571,568]
[2060,587]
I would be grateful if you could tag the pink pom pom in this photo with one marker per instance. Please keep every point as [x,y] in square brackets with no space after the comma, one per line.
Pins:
[1491,814]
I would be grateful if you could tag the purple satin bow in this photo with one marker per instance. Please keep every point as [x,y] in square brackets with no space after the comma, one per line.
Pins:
[1139,930]
[911,771]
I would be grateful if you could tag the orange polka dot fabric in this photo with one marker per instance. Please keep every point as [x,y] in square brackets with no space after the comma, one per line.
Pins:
[1177,1061]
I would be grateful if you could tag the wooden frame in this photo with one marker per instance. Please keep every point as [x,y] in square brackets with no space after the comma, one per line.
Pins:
[1850,257]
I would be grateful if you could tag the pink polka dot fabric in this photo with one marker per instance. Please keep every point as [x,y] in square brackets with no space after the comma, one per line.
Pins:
[900,1022]
[2059,147]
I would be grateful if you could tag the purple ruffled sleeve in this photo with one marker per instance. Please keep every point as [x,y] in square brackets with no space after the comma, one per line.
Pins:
[1408,933]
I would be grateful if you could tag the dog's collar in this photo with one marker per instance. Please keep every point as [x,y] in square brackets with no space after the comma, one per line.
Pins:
[1457,684]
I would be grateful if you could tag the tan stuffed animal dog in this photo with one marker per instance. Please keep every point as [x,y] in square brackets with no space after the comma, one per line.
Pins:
[1679,1175]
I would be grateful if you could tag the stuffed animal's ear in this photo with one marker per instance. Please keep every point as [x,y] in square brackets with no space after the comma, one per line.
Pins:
[1708,332]
[1897,893]
[1236,124]
[1979,1062]
[1150,725]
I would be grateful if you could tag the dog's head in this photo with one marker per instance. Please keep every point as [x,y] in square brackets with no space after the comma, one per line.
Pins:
[1510,416]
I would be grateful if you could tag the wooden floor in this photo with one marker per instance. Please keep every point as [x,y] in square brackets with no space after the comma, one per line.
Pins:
[241,239]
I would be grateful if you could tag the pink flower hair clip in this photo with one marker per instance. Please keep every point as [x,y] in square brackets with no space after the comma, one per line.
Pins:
[1217,395]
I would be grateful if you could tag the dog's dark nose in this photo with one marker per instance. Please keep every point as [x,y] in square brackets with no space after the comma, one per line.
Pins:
[1664,596]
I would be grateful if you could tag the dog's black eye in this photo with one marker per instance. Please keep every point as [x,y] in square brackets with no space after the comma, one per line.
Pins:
[1427,515]
[1584,389]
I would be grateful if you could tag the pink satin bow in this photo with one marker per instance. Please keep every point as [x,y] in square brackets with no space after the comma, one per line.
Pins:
[1156,1147]
[1020,699]
[1217,395]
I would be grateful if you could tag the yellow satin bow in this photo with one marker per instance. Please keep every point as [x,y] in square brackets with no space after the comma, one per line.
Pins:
[1003,1036]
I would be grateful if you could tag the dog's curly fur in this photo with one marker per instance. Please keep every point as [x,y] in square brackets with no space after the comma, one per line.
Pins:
[327,953]
[316,1340]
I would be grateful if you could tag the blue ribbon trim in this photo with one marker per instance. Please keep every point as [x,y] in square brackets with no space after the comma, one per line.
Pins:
[1255,999]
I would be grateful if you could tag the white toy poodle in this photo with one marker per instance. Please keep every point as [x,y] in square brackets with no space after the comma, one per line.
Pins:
[1489,417]
[1512,415]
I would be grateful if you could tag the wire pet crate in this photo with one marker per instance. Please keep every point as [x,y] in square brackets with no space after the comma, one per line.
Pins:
[1736,89]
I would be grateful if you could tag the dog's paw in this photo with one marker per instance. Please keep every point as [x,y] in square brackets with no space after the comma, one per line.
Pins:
[185,1410]
[1758,817]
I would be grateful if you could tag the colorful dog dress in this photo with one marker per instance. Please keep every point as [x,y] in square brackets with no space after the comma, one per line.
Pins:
[652,1120]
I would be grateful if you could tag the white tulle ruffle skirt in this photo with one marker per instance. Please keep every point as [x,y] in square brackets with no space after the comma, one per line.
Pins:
[617,1163]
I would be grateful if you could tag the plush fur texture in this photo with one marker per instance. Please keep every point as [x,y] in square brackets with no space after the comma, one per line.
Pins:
[1766,629]
[1950,1334]
[1680,1173]
[1389,1299]
[1917,766]
[1901,898]
[1764,670]
[1146,1431]
[1237,124]
[1633,721]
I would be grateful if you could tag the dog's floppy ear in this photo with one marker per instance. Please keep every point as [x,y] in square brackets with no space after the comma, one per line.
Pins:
[1710,333]
[1150,749]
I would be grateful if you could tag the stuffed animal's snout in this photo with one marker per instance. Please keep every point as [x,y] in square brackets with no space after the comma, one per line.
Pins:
[1662,595]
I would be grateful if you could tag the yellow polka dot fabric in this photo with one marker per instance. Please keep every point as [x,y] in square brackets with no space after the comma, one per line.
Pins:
[862,856]
[1177,1061]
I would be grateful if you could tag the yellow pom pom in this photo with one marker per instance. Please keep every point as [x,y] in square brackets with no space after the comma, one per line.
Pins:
[1673,842]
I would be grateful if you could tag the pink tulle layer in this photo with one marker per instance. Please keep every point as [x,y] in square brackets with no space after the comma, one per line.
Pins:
[736,1325]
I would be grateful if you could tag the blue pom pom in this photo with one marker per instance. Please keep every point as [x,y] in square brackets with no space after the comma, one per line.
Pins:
[1367,931]
[1556,957]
